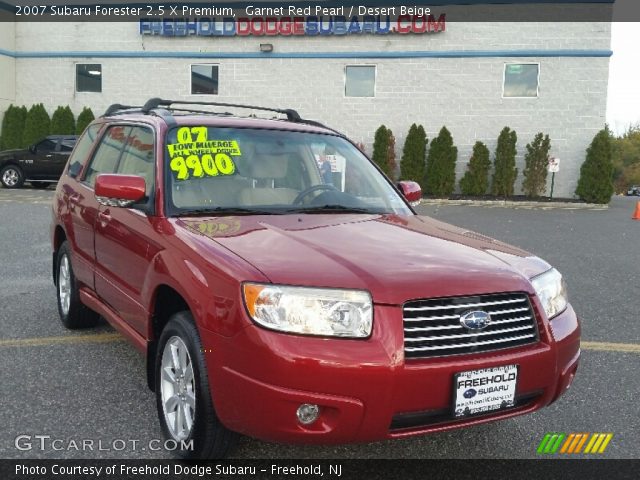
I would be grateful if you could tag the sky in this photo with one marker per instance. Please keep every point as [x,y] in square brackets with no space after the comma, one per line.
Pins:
[623,105]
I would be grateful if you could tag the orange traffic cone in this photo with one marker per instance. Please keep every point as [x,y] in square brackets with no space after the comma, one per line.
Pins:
[636,215]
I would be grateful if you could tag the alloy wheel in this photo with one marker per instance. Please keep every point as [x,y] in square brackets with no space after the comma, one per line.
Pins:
[177,388]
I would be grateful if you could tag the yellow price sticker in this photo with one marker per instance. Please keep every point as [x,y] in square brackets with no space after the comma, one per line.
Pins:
[187,134]
[230,147]
[199,166]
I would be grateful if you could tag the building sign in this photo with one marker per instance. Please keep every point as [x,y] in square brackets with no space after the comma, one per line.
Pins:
[311,25]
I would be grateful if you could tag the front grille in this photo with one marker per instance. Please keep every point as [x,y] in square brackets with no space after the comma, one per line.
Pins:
[432,327]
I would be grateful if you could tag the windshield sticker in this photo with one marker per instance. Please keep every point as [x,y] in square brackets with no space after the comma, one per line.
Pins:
[195,156]
[214,228]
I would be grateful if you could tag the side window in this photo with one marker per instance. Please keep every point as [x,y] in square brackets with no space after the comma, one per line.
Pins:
[105,160]
[66,144]
[138,158]
[46,145]
[79,156]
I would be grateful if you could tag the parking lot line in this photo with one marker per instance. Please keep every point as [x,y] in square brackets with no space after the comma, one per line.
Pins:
[43,341]
[611,347]
[116,337]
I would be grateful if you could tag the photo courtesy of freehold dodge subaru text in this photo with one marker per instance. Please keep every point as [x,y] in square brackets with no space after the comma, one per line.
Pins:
[273,303]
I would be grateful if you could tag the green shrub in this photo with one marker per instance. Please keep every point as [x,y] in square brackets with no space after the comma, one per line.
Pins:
[84,119]
[440,176]
[595,184]
[37,125]
[12,128]
[381,145]
[536,162]
[412,163]
[391,156]
[505,171]
[476,179]
[63,121]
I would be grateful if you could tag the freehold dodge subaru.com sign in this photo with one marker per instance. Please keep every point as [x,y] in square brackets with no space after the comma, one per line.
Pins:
[279,21]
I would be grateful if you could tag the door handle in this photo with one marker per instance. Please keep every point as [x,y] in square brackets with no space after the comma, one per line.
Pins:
[74,198]
[104,218]
[48,155]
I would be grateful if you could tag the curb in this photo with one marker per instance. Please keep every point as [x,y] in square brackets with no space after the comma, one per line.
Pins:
[514,204]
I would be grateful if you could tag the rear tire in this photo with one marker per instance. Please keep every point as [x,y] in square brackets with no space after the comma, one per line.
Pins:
[183,397]
[40,185]
[12,177]
[73,314]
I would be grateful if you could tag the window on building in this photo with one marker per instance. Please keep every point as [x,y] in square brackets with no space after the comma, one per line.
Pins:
[88,77]
[521,79]
[204,79]
[360,81]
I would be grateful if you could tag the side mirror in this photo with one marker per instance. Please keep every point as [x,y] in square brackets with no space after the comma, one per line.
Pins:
[114,190]
[411,191]
[32,148]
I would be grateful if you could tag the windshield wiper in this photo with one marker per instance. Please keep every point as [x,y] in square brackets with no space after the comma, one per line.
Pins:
[333,208]
[217,211]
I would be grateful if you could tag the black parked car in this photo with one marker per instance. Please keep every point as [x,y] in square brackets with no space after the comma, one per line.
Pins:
[41,164]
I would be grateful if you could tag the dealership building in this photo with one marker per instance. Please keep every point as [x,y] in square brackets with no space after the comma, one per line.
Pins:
[474,77]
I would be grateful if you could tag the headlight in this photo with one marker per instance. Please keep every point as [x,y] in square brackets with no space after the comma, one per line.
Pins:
[310,311]
[552,292]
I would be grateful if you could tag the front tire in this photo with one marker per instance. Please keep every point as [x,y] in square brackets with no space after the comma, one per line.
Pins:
[12,177]
[73,314]
[183,398]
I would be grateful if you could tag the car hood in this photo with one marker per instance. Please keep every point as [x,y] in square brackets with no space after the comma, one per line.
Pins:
[13,153]
[396,258]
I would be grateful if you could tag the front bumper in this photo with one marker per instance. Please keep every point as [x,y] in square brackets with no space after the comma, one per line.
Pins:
[365,389]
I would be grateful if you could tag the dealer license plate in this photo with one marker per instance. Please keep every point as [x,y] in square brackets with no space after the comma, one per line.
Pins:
[479,391]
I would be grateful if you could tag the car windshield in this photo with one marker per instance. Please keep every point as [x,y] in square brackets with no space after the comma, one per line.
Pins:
[239,171]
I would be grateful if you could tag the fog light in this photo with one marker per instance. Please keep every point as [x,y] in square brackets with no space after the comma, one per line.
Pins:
[307,413]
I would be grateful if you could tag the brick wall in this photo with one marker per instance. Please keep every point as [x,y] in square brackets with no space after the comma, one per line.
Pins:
[465,94]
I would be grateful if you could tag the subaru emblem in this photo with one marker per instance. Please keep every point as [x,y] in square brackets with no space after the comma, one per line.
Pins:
[475,320]
[469,393]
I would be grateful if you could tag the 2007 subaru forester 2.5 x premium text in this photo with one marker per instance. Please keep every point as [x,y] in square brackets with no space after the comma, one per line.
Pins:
[281,287]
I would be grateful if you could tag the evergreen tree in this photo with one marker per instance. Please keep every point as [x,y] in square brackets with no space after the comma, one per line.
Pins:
[476,178]
[37,124]
[505,171]
[536,162]
[391,156]
[412,163]
[381,148]
[63,122]
[12,127]
[440,179]
[84,119]
[595,183]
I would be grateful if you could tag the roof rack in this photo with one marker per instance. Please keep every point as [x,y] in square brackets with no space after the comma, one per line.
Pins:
[154,104]
[117,108]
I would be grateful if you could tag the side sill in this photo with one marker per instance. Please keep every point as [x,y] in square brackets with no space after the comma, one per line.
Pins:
[89,299]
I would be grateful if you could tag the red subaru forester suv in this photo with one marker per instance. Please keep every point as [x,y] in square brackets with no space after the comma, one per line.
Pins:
[280,286]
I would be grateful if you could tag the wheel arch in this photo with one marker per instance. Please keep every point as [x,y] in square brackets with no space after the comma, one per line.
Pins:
[59,236]
[166,301]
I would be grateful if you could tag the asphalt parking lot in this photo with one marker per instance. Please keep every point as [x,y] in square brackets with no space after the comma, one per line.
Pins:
[91,384]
